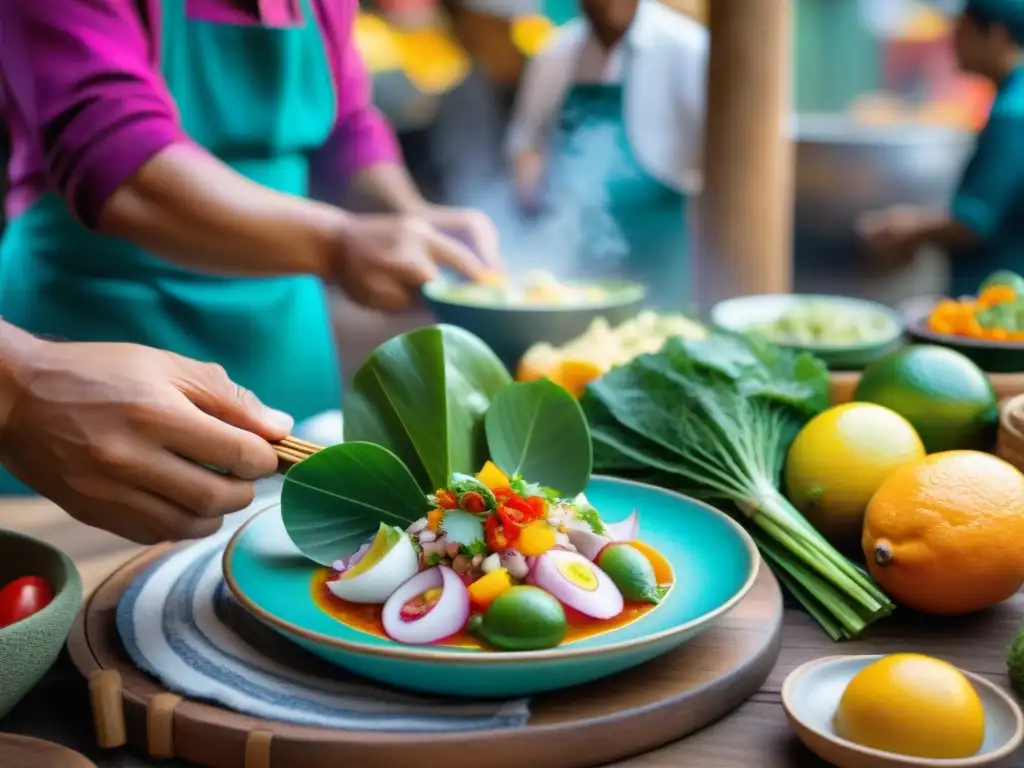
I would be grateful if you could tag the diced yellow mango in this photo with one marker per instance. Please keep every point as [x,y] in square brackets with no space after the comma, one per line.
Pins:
[536,539]
[492,477]
[487,589]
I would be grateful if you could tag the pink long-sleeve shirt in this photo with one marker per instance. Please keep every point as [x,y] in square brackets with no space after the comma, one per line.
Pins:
[85,104]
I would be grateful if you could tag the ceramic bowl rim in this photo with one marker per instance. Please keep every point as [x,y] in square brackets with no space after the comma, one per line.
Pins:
[975,761]
[632,293]
[898,321]
[916,326]
[424,653]
[72,577]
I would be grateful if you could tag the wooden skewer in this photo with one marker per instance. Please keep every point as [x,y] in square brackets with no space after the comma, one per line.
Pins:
[292,450]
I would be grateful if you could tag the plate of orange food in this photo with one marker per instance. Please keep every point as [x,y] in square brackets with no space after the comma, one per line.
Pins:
[987,327]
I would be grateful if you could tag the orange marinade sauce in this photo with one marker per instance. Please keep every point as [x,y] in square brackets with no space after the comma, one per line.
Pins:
[366,618]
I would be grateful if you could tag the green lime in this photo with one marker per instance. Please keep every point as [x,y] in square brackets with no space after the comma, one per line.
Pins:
[946,397]
[521,619]
[1004,277]
[631,572]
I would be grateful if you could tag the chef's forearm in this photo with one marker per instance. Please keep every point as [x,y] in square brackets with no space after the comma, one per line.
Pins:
[17,349]
[387,188]
[189,208]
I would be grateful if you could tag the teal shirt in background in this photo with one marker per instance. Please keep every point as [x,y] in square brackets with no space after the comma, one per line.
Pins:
[990,198]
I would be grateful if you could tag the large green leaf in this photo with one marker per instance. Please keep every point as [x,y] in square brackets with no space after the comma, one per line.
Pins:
[337,498]
[537,430]
[423,396]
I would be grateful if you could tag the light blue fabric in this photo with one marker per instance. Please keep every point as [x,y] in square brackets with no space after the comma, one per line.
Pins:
[990,197]
[261,99]
[634,225]
[179,623]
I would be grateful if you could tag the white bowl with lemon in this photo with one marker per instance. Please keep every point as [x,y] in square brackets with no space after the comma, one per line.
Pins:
[901,711]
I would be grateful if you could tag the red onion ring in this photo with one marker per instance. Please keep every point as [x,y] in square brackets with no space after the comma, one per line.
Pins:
[448,616]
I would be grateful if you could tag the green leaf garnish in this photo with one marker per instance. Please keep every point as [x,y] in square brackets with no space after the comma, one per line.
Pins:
[423,396]
[590,516]
[537,430]
[337,498]
[462,527]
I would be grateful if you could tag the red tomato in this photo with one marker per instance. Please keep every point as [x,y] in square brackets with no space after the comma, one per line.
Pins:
[23,597]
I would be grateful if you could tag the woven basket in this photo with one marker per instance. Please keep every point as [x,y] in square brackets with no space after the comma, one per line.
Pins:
[1010,438]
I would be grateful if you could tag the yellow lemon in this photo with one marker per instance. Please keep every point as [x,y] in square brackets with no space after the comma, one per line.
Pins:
[839,460]
[912,705]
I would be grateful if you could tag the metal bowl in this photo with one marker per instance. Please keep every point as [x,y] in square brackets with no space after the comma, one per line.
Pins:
[512,330]
[990,356]
[844,169]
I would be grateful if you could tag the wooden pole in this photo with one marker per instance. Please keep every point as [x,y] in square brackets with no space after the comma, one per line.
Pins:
[745,217]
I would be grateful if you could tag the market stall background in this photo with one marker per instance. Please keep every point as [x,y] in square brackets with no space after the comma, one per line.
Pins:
[877,103]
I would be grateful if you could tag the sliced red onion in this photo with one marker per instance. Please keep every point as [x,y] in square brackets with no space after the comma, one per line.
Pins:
[604,601]
[625,530]
[448,616]
[588,543]
[531,561]
[491,563]
[515,564]
[419,525]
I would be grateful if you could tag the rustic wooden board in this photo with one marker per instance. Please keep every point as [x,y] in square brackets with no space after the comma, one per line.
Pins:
[604,721]
[26,752]
[845,382]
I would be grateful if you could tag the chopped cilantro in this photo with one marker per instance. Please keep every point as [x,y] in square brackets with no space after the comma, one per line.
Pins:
[434,558]
[589,516]
[478,547]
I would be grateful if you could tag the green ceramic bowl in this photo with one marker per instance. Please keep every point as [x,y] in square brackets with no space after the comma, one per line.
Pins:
[510,331]
[713,558]
[990,356]
[29,648]
[741,314]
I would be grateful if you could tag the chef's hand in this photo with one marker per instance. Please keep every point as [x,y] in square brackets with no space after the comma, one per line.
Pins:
[471,227]
[892,235]
[386,259]
[120,436]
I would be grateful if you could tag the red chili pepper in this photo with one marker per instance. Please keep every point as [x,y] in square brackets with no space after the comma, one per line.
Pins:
[526,513]
[503,493]
[495,534]
[471,501]
[446,500]
[511,523]
[539,505]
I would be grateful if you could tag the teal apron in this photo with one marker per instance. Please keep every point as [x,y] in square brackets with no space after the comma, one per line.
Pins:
[991,193]
[633,225]
[261,99]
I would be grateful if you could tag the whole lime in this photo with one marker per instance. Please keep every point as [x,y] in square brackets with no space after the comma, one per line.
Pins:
[946,397]
[631,572]
[521,619]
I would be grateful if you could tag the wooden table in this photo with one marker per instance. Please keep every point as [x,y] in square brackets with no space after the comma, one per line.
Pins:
[754,735]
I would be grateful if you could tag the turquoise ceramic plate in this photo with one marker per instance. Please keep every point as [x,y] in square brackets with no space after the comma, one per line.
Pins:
[714,560]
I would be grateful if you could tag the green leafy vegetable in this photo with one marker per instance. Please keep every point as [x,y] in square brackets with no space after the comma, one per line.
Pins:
[537,430]
[463,528]
[423,396]
[476,548]
[714,418]
[337,498]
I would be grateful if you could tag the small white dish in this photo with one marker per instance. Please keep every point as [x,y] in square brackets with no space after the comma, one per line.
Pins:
[811,694]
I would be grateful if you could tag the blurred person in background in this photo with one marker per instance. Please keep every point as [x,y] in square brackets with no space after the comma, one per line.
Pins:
[617,102]
[162,153]
[983,226]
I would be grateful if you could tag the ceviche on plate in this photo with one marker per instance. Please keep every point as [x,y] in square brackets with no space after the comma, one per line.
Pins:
[499,563]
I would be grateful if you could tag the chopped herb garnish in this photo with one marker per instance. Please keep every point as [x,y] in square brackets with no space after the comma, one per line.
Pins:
[590,516]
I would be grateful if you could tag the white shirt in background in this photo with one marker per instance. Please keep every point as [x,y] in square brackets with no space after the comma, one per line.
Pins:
[665,90]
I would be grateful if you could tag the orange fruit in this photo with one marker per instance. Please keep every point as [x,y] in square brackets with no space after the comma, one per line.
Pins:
[945,535]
